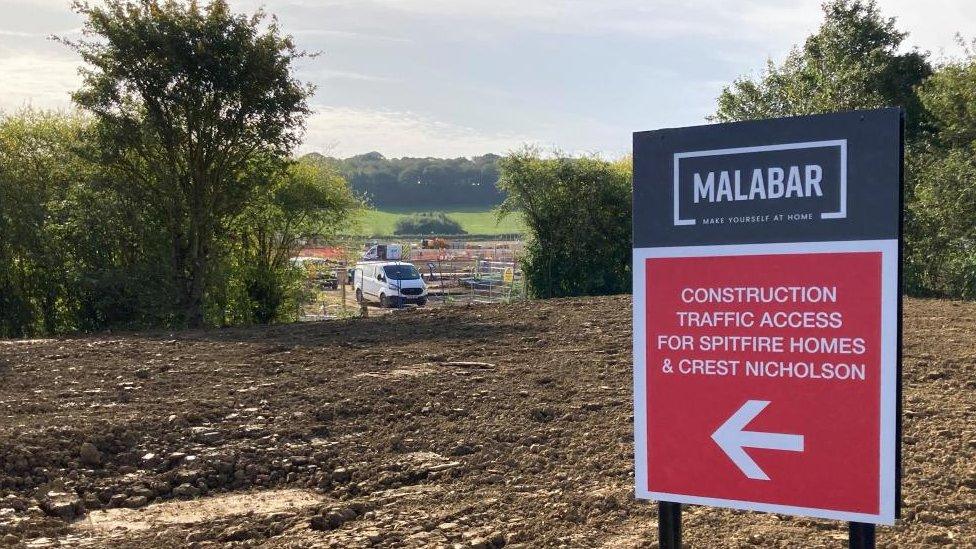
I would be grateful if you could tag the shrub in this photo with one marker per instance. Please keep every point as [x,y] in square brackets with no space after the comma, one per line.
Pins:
[578,214]
[428,223]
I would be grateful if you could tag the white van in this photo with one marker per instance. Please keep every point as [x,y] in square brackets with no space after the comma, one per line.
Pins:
[391,283]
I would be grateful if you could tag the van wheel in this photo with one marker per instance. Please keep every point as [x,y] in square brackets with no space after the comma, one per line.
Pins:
[422,302]
[384,302]
[359,296]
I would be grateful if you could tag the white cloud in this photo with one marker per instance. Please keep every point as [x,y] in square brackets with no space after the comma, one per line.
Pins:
[21,34]
[341,131]
[932,24]
[329,33]
[330,74]
[43,82]
[748,20]
[65,4]
[773,23]
[667,52]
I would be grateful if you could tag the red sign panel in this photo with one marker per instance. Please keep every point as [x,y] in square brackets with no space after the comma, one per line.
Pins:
[765,378]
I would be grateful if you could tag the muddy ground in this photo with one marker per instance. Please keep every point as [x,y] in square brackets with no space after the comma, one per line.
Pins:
[481,426]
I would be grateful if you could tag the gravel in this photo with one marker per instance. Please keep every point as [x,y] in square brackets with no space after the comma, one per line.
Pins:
[482,426]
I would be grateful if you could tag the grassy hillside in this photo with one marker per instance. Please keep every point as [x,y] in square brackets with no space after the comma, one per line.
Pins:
[474,221]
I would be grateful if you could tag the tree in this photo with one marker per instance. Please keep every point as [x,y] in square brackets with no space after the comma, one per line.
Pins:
[941,235]
[306,201]
[855,61]
[189,101]
[852,62]
[578,212]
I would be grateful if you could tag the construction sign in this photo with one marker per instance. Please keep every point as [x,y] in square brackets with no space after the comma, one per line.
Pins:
[766,315]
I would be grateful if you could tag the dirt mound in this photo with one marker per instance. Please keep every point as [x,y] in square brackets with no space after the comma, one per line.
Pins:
[481,426]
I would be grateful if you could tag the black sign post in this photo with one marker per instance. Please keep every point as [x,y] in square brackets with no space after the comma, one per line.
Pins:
[767,281]
[669,525]
[860,535]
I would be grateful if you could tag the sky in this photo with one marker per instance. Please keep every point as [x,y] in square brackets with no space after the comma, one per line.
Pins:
[449,78]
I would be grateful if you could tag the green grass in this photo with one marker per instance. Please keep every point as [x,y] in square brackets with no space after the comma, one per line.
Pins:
[474,221]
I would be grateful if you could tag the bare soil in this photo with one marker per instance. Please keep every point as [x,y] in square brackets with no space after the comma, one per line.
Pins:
[481,426]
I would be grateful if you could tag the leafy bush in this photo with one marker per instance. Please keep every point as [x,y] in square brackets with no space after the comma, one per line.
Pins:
[35,165]
[428,223]
[578,211]
[940,250]
[75,252]
[79,253]
[307,201]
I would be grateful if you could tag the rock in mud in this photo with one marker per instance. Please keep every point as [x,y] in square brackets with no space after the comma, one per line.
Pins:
[235,533]
[136,502]
[13,502]
[90,455]
[186,490]
[144,492]
[480,543]
[463,449]
[63,505]
[325,523]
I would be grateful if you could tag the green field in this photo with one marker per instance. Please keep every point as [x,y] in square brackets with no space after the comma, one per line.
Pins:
[474,221]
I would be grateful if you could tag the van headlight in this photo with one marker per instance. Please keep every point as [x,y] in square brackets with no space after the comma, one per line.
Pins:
[395,286]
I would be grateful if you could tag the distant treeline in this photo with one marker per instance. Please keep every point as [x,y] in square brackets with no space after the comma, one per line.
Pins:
[428,183]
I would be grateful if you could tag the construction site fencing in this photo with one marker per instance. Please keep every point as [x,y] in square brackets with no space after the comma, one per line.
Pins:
[473,281]
[459,273]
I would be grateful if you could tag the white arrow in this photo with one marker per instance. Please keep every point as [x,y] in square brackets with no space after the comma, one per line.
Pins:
[732,439]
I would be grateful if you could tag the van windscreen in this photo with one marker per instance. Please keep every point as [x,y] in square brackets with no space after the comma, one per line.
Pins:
[401,272]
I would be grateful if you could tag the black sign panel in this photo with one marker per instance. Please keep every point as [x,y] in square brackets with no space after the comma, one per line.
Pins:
[806,179]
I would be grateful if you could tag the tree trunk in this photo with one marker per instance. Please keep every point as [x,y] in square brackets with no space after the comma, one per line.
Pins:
[196,284]
[189,268]
[197,259]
